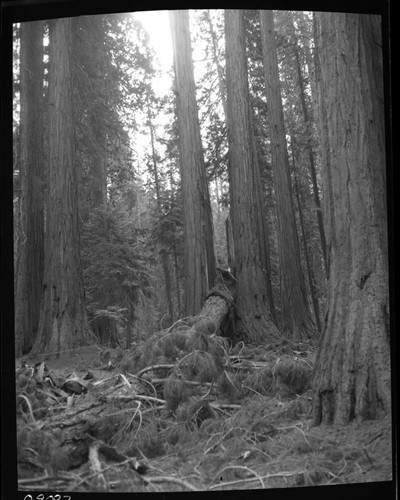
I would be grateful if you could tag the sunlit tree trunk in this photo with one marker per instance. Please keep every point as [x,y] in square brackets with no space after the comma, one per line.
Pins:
[63,322]
[352,370]
[250,259]
[297,322]
[200,261]
[29,272]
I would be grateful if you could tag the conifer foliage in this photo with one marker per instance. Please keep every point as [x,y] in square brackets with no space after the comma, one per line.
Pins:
[223,206]
[115,271]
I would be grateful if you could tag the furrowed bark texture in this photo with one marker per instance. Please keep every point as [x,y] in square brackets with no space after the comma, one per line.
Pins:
[352,371]
[253,308]
[308,125]
[63,321]
[29,272]
[297,321]
[200,262]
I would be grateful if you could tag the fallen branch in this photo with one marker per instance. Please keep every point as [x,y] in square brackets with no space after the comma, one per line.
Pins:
[140,397]
[252,479]
[169,479]
[240,467]
[94,461]
[153,367]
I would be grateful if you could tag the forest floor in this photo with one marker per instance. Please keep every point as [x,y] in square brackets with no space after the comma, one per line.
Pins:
[259,435]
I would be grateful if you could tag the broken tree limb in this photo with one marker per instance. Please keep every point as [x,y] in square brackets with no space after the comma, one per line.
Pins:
[216,315]
[69,429]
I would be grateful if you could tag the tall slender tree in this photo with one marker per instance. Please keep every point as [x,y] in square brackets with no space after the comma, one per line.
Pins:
[29,272]
[352,370]
[216,61]
[200,261]
[309,147]
[63,321]
[297,321]
[310,271]
[253,306]
[164,259]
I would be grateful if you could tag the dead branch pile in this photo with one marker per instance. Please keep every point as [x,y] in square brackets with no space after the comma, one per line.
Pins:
[181,381]
[182,411]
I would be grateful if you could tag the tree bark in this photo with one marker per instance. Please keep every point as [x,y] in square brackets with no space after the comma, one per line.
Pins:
[29,273]
[352,370]
[311,155]
[97,120]
[175,248]
[254,317]
[163,254]
[200,261]
[310,272]
[221,82]
[63,321]
[297,322]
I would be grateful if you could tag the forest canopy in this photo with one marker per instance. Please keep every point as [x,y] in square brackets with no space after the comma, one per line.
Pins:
[225,170]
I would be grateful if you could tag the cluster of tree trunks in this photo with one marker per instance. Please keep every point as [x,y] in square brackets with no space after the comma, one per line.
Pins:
[253,287]
[352,375]
[297,322]
[200,262]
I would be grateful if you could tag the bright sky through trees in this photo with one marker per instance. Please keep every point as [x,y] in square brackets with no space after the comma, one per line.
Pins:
[156,23]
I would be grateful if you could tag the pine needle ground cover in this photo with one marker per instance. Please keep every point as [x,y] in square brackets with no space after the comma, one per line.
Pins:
[184,411]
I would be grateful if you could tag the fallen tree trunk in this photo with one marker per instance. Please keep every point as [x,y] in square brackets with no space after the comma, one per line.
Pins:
[217,313]
[67,432]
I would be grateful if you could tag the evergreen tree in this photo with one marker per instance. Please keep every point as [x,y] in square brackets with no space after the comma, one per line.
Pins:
[200,262]
[63,320]
[352,370]
[296,319]
[250,258]
[29,268]
[115,272]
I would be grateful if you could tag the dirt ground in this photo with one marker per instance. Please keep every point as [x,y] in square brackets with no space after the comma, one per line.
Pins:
[252,441]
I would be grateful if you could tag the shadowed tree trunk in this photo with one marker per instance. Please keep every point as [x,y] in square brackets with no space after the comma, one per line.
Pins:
[250,259]
[164,259]
[94,24]
[311,155]
[352,370]
[200,261]
[310,272]
[29,272]
[297,322]
[63,322]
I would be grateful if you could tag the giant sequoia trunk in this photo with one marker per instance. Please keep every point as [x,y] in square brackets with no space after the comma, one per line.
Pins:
[352,371]
[200,262]
[250,258]
[29,272]
[63,321]
[297,322]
